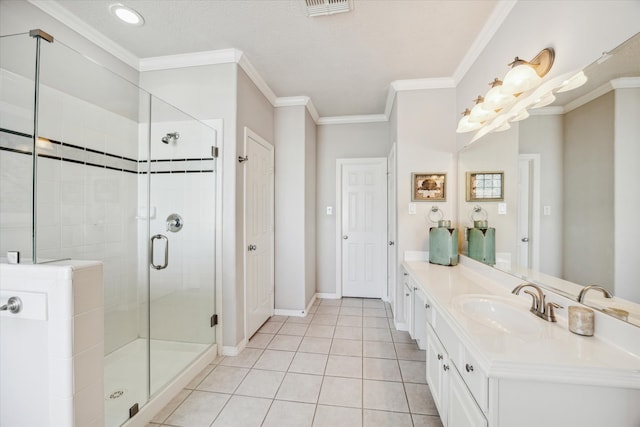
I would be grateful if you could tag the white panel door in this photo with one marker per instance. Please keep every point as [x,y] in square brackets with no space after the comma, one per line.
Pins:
[259,230]
[391,226]
[364,228]
[524,174]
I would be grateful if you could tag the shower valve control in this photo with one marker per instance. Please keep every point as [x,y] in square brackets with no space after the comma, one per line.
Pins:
[174,223]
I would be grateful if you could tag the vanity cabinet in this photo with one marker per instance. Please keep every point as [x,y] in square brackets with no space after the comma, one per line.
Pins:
[415,304]
[483,376]
[453,394]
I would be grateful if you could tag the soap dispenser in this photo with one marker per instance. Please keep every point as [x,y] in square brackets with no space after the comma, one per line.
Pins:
[482,238]
[443,240]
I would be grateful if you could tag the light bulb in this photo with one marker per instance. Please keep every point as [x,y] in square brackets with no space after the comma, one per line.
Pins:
[126,14]
[496,100]
[520,79]
[464,125]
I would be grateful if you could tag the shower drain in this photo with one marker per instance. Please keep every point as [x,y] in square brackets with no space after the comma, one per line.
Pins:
[116,394]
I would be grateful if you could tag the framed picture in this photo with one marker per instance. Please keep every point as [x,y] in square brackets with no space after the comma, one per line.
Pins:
[485,186]
[428,187]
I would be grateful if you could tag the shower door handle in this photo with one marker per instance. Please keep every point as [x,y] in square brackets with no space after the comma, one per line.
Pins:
[166,252]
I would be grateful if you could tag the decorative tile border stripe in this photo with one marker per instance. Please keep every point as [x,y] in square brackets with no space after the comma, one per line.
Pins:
[14,142]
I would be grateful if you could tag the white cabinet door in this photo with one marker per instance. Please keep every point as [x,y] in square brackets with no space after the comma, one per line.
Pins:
[420,318]
[463,410]
[437,359]
[408,306]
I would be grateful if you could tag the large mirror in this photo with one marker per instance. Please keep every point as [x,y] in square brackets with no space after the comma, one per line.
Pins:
[569,217]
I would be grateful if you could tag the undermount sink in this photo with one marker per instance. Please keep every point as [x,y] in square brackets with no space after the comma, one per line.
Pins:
[499,313]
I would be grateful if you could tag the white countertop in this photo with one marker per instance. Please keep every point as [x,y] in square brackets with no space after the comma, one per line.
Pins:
[551,354]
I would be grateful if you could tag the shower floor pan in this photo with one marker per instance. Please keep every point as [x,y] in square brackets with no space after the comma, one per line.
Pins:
[125,373]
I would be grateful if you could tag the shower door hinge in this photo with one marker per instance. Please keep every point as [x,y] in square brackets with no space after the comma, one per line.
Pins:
[214,152]
[214,320]
[133,410]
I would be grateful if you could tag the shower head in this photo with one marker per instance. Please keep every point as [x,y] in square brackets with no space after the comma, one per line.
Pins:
[171,137]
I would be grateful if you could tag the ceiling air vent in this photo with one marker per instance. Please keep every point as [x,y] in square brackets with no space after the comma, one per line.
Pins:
[327,7]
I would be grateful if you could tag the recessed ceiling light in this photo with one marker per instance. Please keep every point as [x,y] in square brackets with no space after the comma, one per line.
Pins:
[126,14]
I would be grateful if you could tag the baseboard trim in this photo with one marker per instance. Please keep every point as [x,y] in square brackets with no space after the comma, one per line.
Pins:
[401,326]
[294,313]
[228,350]
[327,296]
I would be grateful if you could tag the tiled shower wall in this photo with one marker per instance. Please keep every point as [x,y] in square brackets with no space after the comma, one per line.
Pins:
[87,193]
[92,200]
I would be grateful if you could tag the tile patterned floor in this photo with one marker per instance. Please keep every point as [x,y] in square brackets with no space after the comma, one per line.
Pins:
[342,365]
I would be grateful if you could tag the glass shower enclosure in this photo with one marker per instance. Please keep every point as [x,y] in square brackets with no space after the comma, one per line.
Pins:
[122,177]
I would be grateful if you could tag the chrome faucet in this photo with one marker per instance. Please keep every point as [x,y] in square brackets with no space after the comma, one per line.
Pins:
[538,306]
[586,289]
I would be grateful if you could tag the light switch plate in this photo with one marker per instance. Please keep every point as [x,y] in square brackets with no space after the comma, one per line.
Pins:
[412,208]
[502,208]
[329,210]
[546,210]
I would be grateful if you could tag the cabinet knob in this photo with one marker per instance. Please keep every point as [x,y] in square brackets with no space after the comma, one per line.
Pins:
[405,274]
[427,306]
[468,367]
[445,367]
[439,356]
[406,295]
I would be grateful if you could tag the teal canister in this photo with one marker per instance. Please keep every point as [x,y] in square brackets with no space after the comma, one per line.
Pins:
[443,244]
[482,242]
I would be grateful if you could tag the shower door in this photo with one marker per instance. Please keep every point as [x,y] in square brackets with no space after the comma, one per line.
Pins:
[181,208]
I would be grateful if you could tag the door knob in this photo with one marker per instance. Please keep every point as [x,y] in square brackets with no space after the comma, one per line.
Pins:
[345,237]
[391,243]
[524,239]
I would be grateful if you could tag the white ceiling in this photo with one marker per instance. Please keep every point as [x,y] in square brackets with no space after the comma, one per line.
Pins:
[343,62]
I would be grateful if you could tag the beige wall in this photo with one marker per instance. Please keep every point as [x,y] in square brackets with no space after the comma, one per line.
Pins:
[543,135]
[626,193]
[588,193]
[295,208]
[339,142]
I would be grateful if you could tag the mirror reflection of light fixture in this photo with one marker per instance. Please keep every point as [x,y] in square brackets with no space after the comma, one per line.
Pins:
[523,114]
[464,125]
[544,101]
[574,82]
[479,114]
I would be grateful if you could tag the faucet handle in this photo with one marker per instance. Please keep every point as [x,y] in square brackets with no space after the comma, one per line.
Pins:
[549,312]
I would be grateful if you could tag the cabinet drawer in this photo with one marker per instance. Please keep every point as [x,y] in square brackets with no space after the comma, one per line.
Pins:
[475,379]
[447,336]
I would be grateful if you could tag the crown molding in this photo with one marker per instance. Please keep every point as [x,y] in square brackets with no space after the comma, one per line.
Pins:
[415,84]
[292,101]
[58,12]
[547,111]
[194,59]
[343,120]
[596,93]
[256,78]
[495,21]
[625,83]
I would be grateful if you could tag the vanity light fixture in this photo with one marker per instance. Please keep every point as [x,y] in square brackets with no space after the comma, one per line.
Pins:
[496,99]
[126,14]
[480,114]
[519,85]
[544,101]
[464,125]
[574,82]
